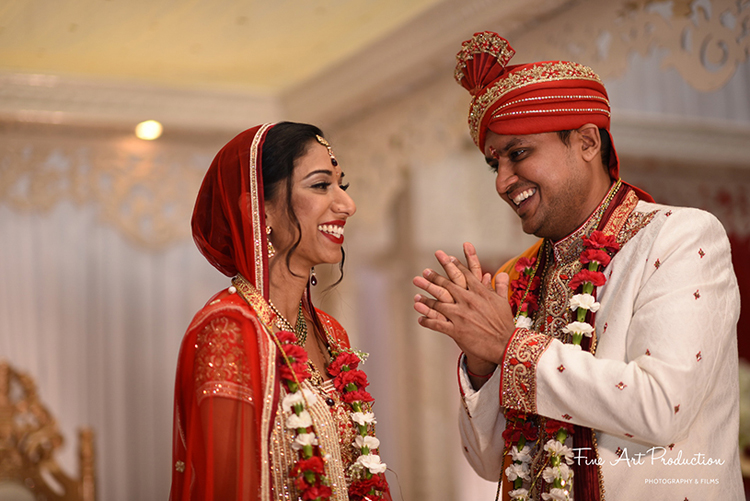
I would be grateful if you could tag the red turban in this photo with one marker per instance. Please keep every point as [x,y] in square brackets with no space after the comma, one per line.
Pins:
[532,98]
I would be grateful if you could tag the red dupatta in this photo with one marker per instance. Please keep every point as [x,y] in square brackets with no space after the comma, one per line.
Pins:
[229,229]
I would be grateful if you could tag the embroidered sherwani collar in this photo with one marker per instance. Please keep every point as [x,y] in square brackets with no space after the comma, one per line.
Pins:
[569,248]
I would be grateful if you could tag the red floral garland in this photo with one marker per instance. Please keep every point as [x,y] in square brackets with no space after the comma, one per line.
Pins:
[352,383]
[309,470]
[520,427]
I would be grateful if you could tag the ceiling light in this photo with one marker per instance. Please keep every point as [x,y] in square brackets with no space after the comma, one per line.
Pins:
[148,130]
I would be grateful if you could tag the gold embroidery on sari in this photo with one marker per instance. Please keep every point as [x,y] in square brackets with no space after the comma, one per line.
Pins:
[220,363]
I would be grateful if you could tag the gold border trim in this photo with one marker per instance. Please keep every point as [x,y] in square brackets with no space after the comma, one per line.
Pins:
[258,230]
[255,299]
[621,214]
[519,379]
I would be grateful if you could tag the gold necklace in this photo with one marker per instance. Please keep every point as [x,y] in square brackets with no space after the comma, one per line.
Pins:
[282,323]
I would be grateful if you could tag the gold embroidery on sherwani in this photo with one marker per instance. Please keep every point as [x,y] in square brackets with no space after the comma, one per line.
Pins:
[620,215]
[562,263]
[220,364]
[519,369]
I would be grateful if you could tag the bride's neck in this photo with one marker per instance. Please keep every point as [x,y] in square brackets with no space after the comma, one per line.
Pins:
[286,289]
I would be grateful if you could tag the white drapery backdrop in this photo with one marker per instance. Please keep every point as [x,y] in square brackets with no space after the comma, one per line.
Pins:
[97,322]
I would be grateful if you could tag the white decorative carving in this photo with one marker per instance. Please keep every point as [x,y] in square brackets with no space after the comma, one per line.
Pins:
[146,190]
[705,40]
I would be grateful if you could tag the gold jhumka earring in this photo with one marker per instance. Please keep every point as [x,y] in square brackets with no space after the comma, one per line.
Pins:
[271,250]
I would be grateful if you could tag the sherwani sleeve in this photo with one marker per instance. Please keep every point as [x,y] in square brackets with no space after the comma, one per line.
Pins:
[481,424]
[668,319]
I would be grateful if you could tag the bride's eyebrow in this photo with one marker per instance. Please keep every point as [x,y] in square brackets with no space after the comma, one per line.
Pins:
[319,171]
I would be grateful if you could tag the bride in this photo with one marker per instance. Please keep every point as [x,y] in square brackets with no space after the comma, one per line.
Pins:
[270,402]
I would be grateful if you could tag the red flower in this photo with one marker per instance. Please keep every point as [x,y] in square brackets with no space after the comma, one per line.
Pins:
[344,378]
[300,370]
[515,298]
[512,434]
[345,361]
[317,492]
[531,304]
[315,464]
[598,240]
[353,396]
[596,256]
[595,277]
[524,264]
[298,358]
[515,415]
[554,426]
[295,352]
[286,337]
[301,484]
[361,488]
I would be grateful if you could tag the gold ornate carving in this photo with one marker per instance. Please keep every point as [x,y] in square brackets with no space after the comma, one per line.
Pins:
[29,437]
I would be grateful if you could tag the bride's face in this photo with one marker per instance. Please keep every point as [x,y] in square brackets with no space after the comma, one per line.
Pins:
[322,207]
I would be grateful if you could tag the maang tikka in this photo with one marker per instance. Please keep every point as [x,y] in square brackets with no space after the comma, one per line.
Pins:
[325,143]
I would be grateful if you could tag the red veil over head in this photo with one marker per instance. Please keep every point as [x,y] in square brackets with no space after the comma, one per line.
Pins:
[223,441]
[229,218]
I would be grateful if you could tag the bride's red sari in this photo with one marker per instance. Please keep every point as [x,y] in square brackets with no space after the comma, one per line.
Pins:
[229,439]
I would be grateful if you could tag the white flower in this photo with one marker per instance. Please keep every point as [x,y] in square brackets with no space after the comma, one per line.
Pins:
[368,441]
[298,397]
[585,301]
[578,328]
[302,421]
[524,455]
[555,448]
[304,439]
[363,418]
[564,472]
[551,473]
[372,463]
[556,495]
[516,470]
[523,322]
[519,495]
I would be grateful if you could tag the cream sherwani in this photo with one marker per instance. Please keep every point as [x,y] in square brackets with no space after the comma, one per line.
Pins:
[661,392]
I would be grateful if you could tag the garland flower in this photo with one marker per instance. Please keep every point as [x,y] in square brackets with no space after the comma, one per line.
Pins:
[597,256]
[520,428]
[523,298]
[309,470]
[557,474]
[368,482]
[520,434]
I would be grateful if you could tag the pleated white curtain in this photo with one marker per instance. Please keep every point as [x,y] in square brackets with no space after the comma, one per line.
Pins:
[97,321]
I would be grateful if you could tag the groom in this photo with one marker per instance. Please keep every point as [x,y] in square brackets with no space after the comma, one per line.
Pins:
[604,362]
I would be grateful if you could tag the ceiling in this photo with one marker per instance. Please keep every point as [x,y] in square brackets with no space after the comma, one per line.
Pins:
[253,45]
[220,64]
